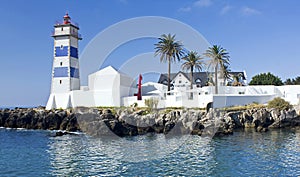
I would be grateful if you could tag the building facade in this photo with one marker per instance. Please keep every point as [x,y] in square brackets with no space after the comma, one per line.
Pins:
[109,87]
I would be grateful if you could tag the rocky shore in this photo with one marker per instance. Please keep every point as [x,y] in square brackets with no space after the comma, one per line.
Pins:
[131,122]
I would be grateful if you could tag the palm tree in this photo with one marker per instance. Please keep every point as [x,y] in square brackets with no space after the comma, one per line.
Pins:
[236,79]
[219,60]
[169,50]
[192,61]
[225,73]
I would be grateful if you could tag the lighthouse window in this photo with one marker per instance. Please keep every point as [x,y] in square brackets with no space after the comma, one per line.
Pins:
[62,29]
[61,47]
[60,81]
[60,63]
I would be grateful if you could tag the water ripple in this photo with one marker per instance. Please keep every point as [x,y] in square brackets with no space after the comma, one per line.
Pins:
[33,153]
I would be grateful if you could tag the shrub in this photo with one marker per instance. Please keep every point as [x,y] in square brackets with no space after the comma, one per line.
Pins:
[151,103]
[279,103]
[134,105]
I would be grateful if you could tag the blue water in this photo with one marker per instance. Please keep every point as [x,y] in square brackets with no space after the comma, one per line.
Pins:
[36,153]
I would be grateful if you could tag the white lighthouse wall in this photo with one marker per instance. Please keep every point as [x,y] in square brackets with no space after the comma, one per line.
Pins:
[74,62]
[61,40]
[74,42]
[60,85]
[74,84]
[61,62]
[62,30]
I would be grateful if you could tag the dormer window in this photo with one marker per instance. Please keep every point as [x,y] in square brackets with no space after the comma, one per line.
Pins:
[198,82]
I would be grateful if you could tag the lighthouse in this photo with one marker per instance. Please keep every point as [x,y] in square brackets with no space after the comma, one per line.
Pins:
[106,87]
[65,70]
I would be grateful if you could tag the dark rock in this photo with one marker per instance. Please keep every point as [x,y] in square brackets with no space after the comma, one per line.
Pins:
[96,122]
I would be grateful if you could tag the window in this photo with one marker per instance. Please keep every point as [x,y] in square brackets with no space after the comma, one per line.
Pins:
[179,75]
[60,81]
[62,29]
[60,63]
[61,47]
[198,80]
[179,82]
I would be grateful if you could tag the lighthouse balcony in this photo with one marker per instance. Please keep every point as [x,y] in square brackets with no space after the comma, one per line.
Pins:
[66,33]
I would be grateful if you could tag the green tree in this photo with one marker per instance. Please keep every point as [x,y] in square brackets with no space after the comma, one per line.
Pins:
[295,81]
[266,79]
[169,50]
[192,61]
[289,82]
[219,61]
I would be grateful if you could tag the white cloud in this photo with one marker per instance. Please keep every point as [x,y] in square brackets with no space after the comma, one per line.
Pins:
[225,9]
[249,11]
[203,3]
[184,9]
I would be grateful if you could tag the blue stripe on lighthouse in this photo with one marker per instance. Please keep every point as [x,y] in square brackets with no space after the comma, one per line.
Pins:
[73,52]
[74,72]
[61,51]
[60,72]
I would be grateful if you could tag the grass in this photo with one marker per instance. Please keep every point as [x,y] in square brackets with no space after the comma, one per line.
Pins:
[245,107]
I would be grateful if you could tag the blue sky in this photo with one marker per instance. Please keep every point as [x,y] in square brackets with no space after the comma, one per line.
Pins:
[260,35]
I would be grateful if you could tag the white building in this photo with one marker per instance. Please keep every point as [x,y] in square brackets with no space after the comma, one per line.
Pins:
[108,87]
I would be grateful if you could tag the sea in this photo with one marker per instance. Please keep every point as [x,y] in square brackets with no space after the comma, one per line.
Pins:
[245,153]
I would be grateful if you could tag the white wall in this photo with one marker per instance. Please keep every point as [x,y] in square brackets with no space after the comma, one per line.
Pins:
[82,98]
[59,100]
[74,62]
[74,42]
[128,101]
[204,100]
[220,101]
[74,83]
[290,93]
[59,31]
[106,98]
[60,85]
[104,82]
[61,40]
[64,60]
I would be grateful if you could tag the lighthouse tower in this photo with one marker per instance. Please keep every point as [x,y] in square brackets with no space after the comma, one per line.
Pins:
[65,71]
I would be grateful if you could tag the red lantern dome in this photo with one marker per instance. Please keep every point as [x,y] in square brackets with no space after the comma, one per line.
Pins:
[67,19]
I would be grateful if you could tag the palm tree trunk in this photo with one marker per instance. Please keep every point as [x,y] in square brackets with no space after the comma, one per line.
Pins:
[192,72]
[216,79]
[169,74]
